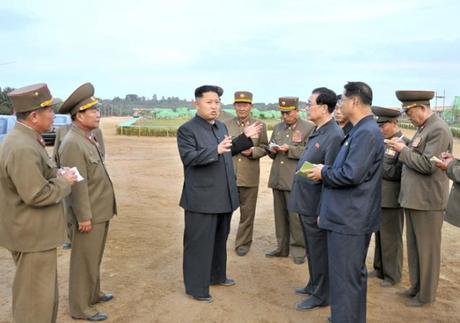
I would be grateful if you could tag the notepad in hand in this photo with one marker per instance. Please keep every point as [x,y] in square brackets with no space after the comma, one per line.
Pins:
[303,170]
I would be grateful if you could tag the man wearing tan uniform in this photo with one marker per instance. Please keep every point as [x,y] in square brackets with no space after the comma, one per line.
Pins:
[424,193]
[32,223]
[247,169]
[287,144]
[91,204]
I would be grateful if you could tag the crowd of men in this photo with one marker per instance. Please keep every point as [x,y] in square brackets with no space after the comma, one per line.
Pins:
[340,176]
[337,178]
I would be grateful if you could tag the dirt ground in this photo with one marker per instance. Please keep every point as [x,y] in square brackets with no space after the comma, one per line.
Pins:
[143,259]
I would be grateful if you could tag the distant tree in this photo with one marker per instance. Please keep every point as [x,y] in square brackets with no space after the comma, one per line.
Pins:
[5,103]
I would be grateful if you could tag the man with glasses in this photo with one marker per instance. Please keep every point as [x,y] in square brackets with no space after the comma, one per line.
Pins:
[322,147]
[351,204]
[424,194]
[32,189]
[91,204]
[287,144]
[388,255]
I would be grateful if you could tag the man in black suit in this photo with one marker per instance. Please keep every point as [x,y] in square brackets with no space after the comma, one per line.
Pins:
[209,194]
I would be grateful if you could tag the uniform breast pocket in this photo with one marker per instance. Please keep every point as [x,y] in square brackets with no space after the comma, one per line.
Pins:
[94,166]
[50,168]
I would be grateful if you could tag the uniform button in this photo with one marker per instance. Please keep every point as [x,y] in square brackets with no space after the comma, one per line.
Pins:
[287,136]
[239,159]
[282,162]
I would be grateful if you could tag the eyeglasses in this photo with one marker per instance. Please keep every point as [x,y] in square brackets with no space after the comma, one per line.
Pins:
[309,105]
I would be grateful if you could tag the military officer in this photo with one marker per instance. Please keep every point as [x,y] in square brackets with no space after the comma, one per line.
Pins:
[322,147]
[287,144]
[32,222]
[247,169]
[452,167]
[388,253]
[424,193]
[91,204]
[60,134]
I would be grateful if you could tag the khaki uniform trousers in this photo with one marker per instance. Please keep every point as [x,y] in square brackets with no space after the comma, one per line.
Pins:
[35,288]
[287,227]
[424,252]
[85,263]
[248,201]
[388,256]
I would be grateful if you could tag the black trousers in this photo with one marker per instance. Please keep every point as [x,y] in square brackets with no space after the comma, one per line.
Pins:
[316,244]
[205,251]
[347,276]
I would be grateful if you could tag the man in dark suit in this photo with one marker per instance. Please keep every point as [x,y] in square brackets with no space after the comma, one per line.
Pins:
[209,194]
[322,147]
[351,204]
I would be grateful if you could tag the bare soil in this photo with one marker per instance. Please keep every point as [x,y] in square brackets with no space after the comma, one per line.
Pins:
[142,265]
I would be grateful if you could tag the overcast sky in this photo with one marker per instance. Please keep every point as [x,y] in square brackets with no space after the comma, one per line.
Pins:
[272,48]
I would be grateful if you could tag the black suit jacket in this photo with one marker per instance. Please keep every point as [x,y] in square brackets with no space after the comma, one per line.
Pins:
[209,178]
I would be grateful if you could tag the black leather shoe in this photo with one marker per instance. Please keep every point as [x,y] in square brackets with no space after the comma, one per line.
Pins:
[387,283]
[99,316]
[299,260]
[67,245]
[274,253]
[242,251]
[302,291]
[414,302]
[226,282]
[207,299]
[309,304]
[105,298]
[408,293]
[329,319]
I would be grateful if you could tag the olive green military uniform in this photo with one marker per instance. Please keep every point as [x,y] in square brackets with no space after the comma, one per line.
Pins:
[91,199]
[388,255]
[60,134]
[424,194]
[32,220]
[247,171]
[453,205]
[287,224]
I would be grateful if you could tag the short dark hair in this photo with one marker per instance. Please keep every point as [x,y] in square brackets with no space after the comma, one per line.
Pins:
[208,88]
[360,90]
[327,97]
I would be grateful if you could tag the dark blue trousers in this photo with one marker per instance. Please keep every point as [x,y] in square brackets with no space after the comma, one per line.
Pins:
[347,276]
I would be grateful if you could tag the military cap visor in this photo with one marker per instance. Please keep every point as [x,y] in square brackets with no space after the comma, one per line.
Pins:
[386,114]
[80,100]
[242,97]
[32,97]
[412,99]
[288,103]
[208,88]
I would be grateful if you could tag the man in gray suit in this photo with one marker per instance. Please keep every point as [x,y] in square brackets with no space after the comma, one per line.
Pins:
[424,193]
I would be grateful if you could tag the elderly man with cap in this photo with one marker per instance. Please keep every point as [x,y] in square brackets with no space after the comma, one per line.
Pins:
[91,204]
[452,167]
[351,205]
[424,194]
[322,147]
[247,169]
[388,253]
[210,194]
[32,222]
[287,144]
